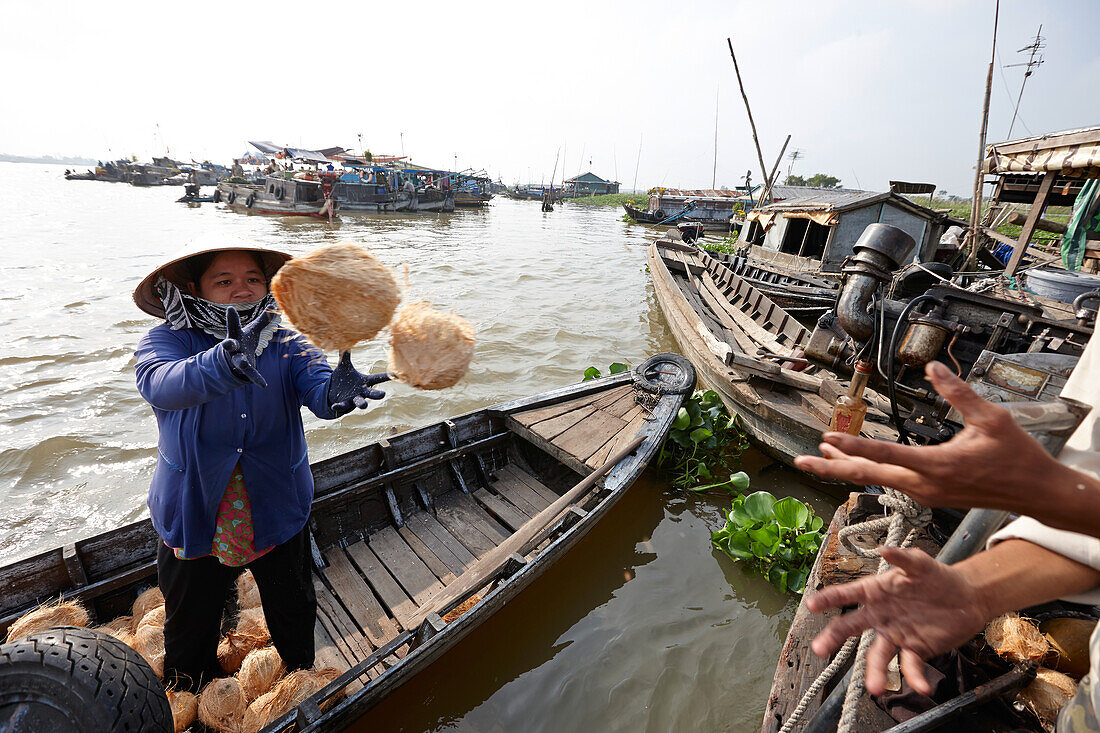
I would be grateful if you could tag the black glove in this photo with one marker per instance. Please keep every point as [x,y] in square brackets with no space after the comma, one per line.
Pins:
[240,345]
[349,389]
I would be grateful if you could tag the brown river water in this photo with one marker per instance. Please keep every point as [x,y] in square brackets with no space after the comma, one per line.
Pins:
[642,627]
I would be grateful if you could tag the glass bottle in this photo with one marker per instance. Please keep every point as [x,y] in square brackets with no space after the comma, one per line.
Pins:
[850,409]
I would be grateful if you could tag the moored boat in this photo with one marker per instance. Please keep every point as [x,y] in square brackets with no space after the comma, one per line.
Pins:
[297,196]
[463,513]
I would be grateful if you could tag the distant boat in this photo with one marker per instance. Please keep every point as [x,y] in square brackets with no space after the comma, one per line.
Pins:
[303,195]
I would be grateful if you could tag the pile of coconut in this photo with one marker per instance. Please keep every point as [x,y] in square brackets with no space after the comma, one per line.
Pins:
[258,690]
[340,295]
[1060,648]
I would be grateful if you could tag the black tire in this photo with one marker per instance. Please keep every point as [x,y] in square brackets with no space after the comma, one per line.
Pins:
[217,195]
[250,200]
[659,213]
[73,679]
[232,196]
[674,365]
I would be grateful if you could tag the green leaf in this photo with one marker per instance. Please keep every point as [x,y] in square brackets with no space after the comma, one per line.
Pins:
[740,480]
[695,413]
[816,523]
[808,541]
[758,505]
[591,373]
[681,438]
[778,578]
[698,435]
[790,512]
[765,535]
[739,546]
[617,368]
[738,515]
[683,418]
[796,579]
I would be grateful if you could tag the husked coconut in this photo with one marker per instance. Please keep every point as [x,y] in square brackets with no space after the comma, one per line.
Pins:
[248,593]
[460,610]
[121,624]
[1016,639]
[185,706]
[260,670]
[222,705]
[60,613]
[147,601]
[148,641]
[155,617]
[290,692]
[251,621]
[337,295]
[236,646]
[256,717]
[429,349]
[1048,693]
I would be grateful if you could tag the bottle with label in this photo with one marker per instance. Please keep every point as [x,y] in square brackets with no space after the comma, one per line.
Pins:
[850,409]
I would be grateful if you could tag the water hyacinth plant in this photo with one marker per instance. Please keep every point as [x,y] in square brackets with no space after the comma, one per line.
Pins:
[777,537]
[701,445]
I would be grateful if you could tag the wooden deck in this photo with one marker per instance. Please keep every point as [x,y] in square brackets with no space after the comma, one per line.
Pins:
[369,591]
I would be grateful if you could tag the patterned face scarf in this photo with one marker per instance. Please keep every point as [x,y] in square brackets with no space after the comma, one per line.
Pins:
[187,311]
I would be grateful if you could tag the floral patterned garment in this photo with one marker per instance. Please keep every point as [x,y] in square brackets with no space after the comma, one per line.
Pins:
[233,534]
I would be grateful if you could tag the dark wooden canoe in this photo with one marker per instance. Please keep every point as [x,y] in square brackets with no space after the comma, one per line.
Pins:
[397,521]
[805,296]
[739,339]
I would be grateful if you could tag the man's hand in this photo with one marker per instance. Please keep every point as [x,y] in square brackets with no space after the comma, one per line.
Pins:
[920,607]
[240,345]
[349,389]
[991,463]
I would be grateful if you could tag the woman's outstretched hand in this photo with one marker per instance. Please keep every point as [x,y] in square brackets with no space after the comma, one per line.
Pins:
[349,389]
[240,345]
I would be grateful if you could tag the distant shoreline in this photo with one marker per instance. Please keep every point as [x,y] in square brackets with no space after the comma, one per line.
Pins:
[68,160]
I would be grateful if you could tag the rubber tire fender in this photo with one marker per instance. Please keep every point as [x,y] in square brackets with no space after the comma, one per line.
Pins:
[232,196]
[250,200]
[659,213]
[79,680]
[678,367]
[217,195]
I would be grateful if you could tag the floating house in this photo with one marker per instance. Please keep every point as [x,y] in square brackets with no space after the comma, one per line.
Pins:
[815,229]
[589,184]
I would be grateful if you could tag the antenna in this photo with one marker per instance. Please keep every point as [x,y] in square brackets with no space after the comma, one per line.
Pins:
[795,155]
[1034,60]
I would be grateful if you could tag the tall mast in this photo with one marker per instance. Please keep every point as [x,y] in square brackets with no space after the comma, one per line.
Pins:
[979,178]
[714,171]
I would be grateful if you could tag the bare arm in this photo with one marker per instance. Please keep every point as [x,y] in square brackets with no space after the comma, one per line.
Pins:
[921,607]
[991,463]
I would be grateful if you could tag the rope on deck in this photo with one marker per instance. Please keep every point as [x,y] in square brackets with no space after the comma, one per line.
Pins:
[907,514]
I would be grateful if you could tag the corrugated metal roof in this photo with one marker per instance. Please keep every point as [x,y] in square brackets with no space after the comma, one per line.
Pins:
[800,198]
[707,193]
[1071,153]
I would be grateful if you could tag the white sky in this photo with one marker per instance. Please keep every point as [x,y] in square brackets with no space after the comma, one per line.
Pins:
[870,90]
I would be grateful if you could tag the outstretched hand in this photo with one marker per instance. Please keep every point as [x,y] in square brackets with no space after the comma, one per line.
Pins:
[991,463]
[348,388]
[919,608]
[240,345]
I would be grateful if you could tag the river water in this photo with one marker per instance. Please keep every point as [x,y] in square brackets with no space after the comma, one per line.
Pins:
[641,627]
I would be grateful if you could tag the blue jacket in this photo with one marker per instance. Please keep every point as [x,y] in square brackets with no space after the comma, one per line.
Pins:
[210,420]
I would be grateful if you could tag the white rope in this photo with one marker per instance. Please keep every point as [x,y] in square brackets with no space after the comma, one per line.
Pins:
[906,512]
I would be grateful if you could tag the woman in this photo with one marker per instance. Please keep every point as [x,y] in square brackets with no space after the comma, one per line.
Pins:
[232,487]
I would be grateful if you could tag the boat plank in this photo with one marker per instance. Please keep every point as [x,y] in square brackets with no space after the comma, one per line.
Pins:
[393,596]
[477,535]
[359,599]
[513,489]
[499,507]
[613,395]
[586,438]
[345,632]
[541,490]
[434,563]
[623,405]
[552,428]
[327,655]
[441,542]
[530,417]
[404,564]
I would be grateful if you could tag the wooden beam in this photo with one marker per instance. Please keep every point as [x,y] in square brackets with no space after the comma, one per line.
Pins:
[1033,217]
[1046,225]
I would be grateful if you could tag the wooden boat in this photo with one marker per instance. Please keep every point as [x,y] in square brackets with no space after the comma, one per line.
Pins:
[356,197]
[280,197]
[468,199]
[803,295]
[743,346]
[397,522]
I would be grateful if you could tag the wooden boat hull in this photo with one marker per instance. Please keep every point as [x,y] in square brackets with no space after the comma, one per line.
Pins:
[783,412]
[396,522]
[254,199]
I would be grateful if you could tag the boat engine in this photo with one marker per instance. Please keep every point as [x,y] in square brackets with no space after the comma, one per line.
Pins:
[1007,349]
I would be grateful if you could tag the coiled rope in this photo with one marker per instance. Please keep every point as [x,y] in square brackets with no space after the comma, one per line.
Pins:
[902,522]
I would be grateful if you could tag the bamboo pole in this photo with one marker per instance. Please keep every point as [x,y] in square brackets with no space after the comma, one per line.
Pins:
[752,124]
[768,191]
[979,178]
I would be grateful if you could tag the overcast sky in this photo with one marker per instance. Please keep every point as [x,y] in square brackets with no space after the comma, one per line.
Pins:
[869,90]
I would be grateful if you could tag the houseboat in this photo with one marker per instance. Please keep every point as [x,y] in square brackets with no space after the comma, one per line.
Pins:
[306,194]
[715,209]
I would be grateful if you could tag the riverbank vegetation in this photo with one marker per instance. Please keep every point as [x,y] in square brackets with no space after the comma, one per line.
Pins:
[638,200]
